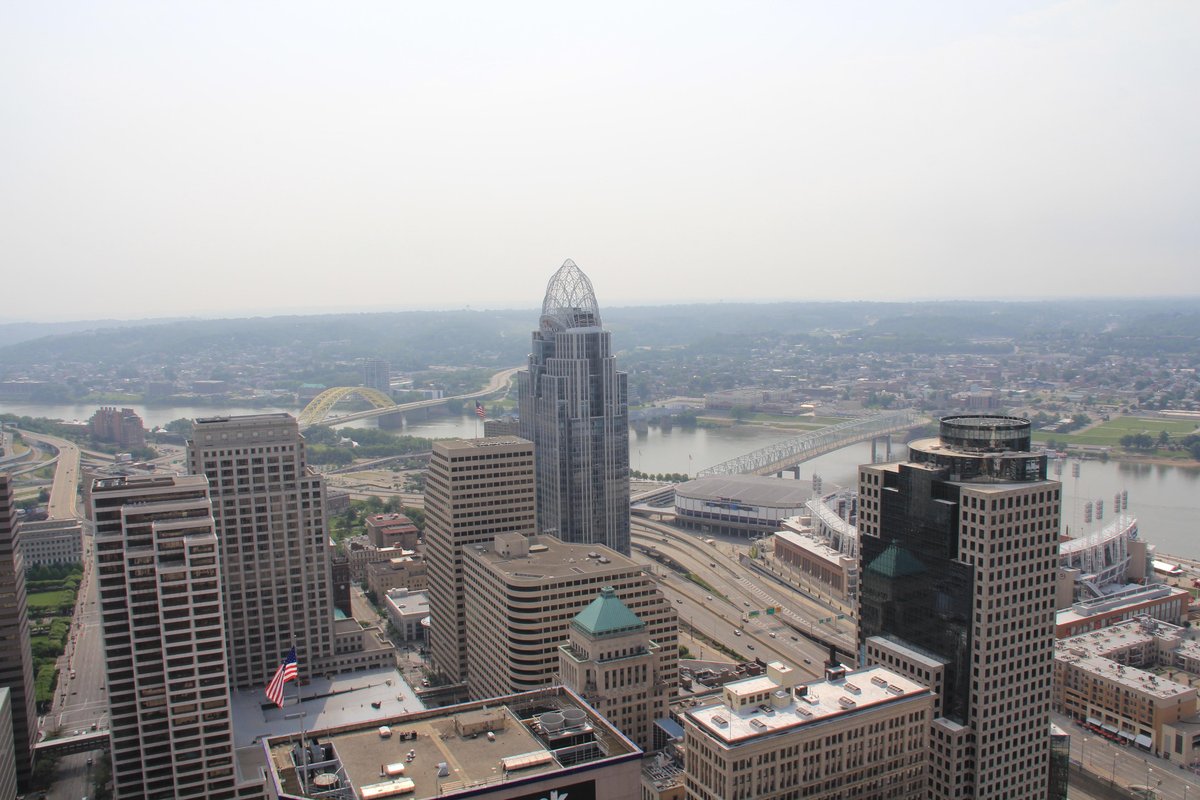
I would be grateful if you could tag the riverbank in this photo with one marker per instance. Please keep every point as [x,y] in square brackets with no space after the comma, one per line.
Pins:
[1160,461]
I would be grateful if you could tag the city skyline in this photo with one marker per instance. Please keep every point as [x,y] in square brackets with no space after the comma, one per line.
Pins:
[672,149]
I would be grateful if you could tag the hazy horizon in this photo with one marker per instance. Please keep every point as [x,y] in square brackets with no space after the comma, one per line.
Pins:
[229,160]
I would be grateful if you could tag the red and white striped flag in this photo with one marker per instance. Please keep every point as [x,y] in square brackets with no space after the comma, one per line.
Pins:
[479,412]
[289,670]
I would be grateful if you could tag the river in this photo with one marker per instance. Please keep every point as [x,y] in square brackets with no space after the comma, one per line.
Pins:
[1166,499]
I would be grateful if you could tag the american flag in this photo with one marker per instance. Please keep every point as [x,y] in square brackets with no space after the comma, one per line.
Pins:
[479,412]
[288,671]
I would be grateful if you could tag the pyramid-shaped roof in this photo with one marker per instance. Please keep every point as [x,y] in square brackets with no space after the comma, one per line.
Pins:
[607,616]
[896,562]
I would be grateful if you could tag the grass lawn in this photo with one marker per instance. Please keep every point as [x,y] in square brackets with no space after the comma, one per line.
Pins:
[42,602]
[1110,433]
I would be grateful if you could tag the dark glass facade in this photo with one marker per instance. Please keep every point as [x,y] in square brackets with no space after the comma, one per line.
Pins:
[912,587]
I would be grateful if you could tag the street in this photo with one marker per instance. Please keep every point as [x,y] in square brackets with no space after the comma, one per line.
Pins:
[79,702]
[1128,766]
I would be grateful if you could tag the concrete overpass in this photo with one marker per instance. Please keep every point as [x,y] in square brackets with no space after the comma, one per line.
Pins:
[778,457]
[66,745]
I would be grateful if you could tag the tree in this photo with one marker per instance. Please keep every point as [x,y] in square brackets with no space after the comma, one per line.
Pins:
[1164,439]
[182,426]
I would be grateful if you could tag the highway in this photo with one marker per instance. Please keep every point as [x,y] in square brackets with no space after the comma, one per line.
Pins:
[65,490]
[735,592]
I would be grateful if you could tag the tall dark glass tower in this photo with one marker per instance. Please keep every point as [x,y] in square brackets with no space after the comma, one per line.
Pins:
[575,409]
[959,550]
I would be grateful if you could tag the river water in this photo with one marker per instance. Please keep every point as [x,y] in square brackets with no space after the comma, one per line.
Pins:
[1166,499]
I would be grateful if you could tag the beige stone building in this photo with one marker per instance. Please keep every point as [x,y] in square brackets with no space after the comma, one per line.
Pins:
[405,570]
[863,734]
[1102,679]
[164,638]
[475,490]
[51,541]
[521,594]
[277,575]
[611,662]
[360,552]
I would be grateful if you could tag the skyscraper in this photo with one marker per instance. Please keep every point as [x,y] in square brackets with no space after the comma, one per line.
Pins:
[269,509]
[574,408]
[16,658]
[377,375]
[164,641]
[475,489]
[959,555]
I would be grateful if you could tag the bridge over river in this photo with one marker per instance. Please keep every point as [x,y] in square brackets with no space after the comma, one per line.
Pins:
[778,457]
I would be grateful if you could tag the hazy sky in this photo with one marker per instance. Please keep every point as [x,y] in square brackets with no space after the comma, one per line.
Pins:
[171,158]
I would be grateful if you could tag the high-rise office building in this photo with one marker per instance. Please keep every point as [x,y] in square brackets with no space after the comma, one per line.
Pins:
[521,593]
[959,549]
[275,565]
[574,408]
[16,657]
[164,638]
[474,490]
[377,375]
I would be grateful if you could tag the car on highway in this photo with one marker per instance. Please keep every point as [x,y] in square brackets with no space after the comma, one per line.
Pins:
[749,647]
[679,600]
[708,597]
[771,634]
[737,632]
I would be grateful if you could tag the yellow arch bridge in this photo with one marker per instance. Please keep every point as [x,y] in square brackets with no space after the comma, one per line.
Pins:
[320,406]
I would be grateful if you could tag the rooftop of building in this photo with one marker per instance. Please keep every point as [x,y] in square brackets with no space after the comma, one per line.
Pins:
[245,419]
[896,562]
[325,702]
[570,301]
[664,770]
[750,489]
[490,742]
[910,653]
[1122,598]
[1140,680]
[407,601]
[132,483]
[782,708]
[459,446]
[607,616]
[549,557]
[387,521]
[812,542]
[1122,636]
[1092,652]
[51,526]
